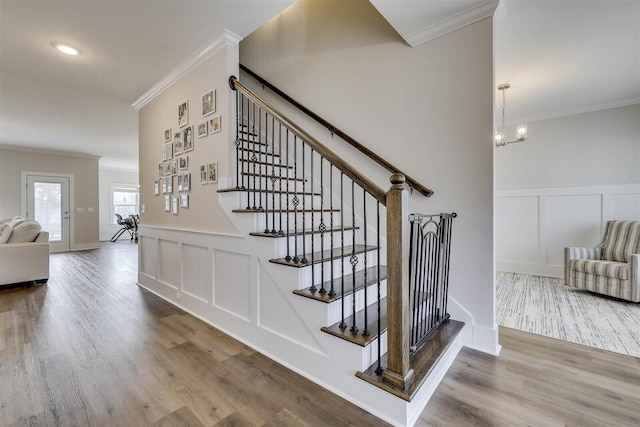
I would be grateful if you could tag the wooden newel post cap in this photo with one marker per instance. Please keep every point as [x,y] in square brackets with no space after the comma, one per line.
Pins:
[398,180]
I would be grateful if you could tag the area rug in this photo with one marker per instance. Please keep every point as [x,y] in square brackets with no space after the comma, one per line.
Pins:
[544,306]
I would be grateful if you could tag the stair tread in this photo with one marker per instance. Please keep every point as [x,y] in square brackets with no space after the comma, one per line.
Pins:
[423,361]
[372,327]
[261,210]
[269,176]
[265,163]
[327,255]
[372,278]
[299,193]
[298,233]
[264,153]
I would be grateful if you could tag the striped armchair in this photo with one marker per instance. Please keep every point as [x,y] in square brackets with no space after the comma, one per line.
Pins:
[612,268]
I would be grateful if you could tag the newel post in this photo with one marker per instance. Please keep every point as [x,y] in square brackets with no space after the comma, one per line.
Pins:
[398,371]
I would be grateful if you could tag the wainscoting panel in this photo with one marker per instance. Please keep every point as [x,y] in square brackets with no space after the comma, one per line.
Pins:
[534,225]
[169,266]
[518,229]
[197,265]
[232,283]
[147,256]
[572,220]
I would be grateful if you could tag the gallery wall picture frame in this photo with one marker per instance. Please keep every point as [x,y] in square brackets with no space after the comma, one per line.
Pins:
[203,175]
[177,143]
[174,205]
[215,124]
[212,172]
[184,201]
[160,169]
[208,103]
[187,139]
[186,182]
[167,135]
[166,168]
[168,150]
[203,130]
[156,188]
[183,163]
[169,184]
[183,114]
[167,203]
[179,183]
[164,185]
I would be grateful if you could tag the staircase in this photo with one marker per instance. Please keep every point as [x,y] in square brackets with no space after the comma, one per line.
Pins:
[332,230]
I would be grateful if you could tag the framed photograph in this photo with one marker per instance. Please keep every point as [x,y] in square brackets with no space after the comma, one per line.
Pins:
[177,143]
[169,184]
[166,168]
[164,185]
[179,182]
[209,103]
[156,188]
[212,171]
[183,163]
[160,169]
[187,139]
[167,135]
[174,206]
[203,174]
[168,151]
[174,167]
[202,130]
[167,203]
[214,124]
[186,182]
[184,201]
[183,114]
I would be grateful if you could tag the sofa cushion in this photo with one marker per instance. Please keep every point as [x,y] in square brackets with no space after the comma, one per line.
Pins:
[615,270]
[5,220]
[5,232]
[16,220]
[24,232]
[621,239]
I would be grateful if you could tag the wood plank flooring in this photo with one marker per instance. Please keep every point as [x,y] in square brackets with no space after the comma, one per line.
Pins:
[92,348]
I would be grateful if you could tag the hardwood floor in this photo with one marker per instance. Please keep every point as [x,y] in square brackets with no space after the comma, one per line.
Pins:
[92,348]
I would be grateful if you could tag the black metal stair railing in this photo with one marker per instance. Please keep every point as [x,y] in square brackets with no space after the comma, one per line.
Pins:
[275,156]
[429,254]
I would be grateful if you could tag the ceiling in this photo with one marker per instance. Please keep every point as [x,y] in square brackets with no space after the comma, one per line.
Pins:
[560,57]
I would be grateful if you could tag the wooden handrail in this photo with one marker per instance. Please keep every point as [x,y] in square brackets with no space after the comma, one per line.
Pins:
[332,157]
[336,131]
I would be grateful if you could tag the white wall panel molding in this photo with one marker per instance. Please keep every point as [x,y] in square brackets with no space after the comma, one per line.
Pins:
[534,225]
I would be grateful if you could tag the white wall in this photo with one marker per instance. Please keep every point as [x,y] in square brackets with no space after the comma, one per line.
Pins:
[558,188]
[109,177]
[427,110]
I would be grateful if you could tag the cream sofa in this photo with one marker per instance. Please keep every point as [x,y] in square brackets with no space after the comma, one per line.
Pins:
[22,261]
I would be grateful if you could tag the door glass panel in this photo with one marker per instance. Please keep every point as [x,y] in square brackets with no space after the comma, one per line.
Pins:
[48,208]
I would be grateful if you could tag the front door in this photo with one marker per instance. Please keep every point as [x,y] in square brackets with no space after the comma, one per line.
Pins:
[48,203]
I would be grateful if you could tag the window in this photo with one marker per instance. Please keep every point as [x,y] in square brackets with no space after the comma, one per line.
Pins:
[125,201]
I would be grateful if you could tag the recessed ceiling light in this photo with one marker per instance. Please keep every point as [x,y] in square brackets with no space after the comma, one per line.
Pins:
[65,48]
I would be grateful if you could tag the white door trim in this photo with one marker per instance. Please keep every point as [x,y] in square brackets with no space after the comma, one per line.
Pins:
[23,197]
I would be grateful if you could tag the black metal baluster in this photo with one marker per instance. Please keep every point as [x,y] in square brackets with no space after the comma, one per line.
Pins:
[379,367]
[412,279]
[288,257]
[342,324]
[322,227]
[257,154]
[296,201]
[266,172]
[280,174]
[332,292]
[273,177]
[253,144]
[354,259]
[304,259]
[366,331]
[245,131]
[313,268]
[237,139]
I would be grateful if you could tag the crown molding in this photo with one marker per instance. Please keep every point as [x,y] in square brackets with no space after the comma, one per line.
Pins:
[223,39]
[48,151]
[455,22]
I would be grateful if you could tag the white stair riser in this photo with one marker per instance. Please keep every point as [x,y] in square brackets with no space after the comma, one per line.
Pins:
[303,218]
[307,277]
[334,309]
[281,201]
